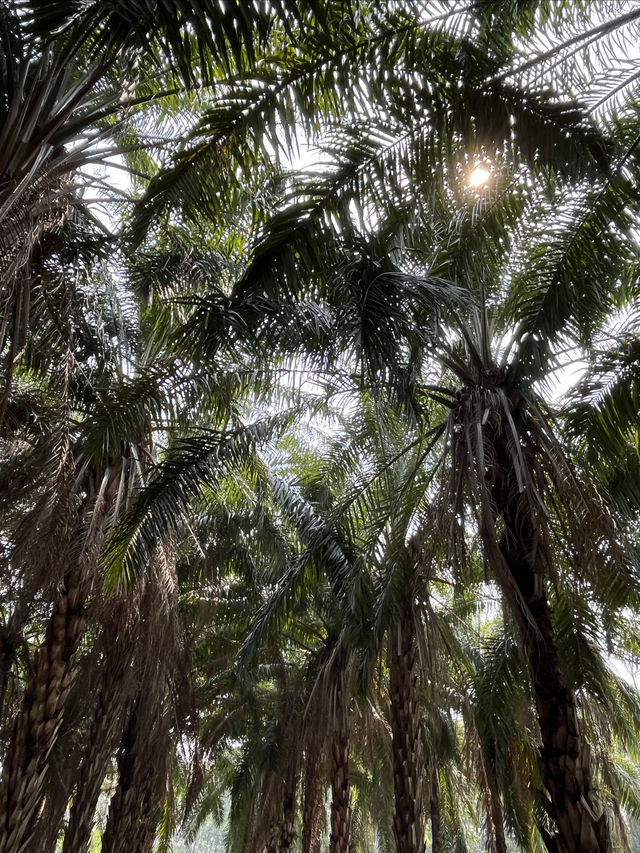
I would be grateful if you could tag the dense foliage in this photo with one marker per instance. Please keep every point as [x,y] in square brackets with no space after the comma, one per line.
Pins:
[319,426]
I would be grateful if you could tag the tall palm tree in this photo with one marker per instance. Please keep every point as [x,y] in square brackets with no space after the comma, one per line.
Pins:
[56,111]
[136,627]
[494,433]
[136,805]
[81,85]
[70,501]
[344,261]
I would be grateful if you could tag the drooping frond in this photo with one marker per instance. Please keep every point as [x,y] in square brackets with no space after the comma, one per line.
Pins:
[190,467]
[194,36]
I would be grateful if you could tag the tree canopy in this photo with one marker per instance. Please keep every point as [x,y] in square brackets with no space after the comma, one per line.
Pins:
[319,418]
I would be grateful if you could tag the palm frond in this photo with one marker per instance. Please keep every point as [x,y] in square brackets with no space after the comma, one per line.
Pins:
[190,467]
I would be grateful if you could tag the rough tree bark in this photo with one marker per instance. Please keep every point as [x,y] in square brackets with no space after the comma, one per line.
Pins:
[408,820]
[135,805]
[340,781]
[434,797]
[495,815]
[59,785]
[105,726]
[565,754]
[265,830]
[313,817]
[38,723]
[36,728]
[287,829]
[10,641]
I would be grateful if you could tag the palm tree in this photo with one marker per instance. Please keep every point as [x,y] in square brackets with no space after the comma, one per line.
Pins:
[136,627]
[136,804]
[54,99]
[345,540]
[359,266]
[493,430]
[72,501]
[81,86]
[324,715]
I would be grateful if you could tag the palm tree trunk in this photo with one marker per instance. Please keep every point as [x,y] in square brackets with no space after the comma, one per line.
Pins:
[45,838]
[313,817]
[272,844]
[565,754]
[408,820]
[265,830]
[47,834]
[106,722]
[10,640]
[37,726]
[340,782]
[287,830]
[59,786]
[436,831]
[495,816]
[133,812]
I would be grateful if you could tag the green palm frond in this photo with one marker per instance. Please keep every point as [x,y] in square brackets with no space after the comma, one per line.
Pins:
[603,419]
[396,124]
[572,271]
[190,467]
[191,35]
[628,787]
[321,551]
[585,49]
[125,410]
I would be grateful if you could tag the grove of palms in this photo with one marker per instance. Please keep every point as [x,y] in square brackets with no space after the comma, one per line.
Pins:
[318,458]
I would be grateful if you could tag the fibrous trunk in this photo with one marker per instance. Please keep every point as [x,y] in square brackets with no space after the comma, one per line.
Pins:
[408,820]
[264,835]
[565,755]
[436,831]
[495,816]
[10,639]
[313,817]
[37,726]
[59,784]
[104,730]
[287,830]
[340,782]
[134,809]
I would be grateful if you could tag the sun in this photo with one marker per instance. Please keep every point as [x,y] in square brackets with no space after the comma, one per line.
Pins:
[479,176]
